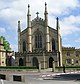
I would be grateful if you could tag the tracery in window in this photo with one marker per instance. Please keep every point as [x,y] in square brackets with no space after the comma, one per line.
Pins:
[38,40]
[53,44]
[24,46]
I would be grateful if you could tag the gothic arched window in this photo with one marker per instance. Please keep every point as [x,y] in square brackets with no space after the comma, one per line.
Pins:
[24,46]
[38,40]
[53,44]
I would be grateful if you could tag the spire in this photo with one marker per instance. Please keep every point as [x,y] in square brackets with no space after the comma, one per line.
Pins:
[28,17]
[28,10]
[46,8]
[19,30]
[57,23]
[46,15]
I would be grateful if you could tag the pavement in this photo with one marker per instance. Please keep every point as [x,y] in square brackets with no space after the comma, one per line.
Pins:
[48,77]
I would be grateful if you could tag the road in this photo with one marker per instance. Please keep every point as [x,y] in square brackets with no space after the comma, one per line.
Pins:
[47,78]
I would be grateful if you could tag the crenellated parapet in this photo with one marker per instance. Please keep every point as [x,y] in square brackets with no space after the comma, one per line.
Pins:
[37,20]
[68,48]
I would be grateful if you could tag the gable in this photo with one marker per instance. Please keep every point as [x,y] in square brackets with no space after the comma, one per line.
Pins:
[37,20]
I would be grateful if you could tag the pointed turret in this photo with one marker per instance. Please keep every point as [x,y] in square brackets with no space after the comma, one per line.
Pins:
[19,36]
[47,29]
[59,45]
[28,17]
[28,10]
[57,28]
[19,30]
[46,15]
[29,30]
[57,24]
[46,8]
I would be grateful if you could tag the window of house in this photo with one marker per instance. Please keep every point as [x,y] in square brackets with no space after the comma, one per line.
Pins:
[77,54]
[68,61]
[68,53]
[38,41]
[76,61]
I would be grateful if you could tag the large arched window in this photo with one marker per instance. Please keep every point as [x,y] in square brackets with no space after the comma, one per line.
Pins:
[53,44]
[24,46]
[38,40]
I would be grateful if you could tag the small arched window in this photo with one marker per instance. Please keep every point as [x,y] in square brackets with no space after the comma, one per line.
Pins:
[24,46]
[53,44]
[38,40]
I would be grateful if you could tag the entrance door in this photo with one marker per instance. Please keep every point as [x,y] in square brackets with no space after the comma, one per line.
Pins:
[51,62]
[21,62]
[35,62]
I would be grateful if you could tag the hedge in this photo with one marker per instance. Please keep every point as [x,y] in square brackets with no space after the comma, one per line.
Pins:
[17,67]
[69,67]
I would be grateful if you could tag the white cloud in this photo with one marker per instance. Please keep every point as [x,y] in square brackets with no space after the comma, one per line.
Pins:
[78,40]
[17,9]
[62,6]
[66,45]
[70,24]
[2,30]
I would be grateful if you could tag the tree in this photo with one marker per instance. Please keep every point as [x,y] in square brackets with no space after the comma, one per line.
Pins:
[6,44]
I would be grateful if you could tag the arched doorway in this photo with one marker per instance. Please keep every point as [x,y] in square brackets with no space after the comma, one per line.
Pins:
[21,62]
[35,62]
[51,62]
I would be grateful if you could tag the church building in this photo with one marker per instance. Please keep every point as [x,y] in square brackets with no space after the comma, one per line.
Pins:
[39,43]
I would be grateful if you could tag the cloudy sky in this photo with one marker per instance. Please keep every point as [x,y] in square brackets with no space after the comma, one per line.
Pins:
[68,12]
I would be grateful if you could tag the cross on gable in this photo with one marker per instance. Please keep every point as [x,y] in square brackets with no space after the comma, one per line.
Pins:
[37,14]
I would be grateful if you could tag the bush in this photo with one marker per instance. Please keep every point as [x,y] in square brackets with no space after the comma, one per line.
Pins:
[69,67]
[17,67]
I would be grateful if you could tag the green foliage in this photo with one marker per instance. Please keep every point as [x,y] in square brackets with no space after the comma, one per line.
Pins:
[6,44]
[69,67]
[17,67]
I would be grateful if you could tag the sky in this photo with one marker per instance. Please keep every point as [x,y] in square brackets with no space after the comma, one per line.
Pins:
[68,12]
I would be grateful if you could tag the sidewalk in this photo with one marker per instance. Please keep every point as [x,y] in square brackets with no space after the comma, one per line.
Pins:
[48,74]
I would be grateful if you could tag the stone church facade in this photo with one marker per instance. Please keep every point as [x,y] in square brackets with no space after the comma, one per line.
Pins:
[39,43]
